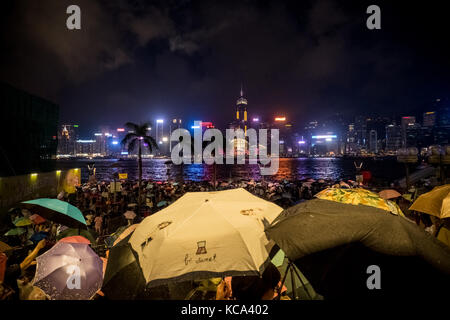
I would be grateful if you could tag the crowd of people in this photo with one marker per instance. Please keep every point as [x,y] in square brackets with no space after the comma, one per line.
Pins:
[105,204]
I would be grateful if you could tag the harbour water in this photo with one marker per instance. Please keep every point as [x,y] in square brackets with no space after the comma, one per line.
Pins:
[383,171]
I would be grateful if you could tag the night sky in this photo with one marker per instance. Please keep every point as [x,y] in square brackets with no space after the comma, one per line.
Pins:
[140,60]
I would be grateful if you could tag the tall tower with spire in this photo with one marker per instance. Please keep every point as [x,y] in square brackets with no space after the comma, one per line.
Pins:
[241,111]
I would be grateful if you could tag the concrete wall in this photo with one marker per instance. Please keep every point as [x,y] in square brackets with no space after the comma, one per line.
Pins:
[16,189]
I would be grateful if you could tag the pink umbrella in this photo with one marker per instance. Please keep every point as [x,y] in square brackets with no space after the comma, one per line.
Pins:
[75,239]
[59,269]
[129,215]
[37,219]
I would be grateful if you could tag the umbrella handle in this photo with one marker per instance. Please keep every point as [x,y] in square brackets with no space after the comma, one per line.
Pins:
[283,281]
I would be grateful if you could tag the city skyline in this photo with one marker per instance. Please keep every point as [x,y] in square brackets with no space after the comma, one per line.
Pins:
[301,59]
[333,136]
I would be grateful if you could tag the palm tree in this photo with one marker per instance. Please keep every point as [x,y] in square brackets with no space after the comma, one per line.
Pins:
[138,136]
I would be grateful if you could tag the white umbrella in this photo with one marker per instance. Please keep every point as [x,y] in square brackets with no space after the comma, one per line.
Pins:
[204,235]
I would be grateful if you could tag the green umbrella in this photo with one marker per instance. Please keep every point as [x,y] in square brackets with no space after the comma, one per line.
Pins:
[278,259]
[15,232]
[57,211]
[75,232]
[161,203]
[22,222]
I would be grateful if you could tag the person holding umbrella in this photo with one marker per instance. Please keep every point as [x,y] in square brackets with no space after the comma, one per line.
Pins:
[251,287]
[14,271]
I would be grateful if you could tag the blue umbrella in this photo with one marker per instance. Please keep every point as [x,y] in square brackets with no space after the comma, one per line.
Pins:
[38,236]
[161,203]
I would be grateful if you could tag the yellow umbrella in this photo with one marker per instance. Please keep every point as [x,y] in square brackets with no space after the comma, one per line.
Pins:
[4,247]
[359,196]
[435,203]
[444,236]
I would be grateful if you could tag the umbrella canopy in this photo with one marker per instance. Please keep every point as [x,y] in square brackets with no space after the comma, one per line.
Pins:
[75,232]
[75,239]
[161,203]
[109,241]
[125,233]
[57,211]
[129,215]
[435,203]
[38,236]
[303,288]
[22,222]
[37,219]
[204,235]
[15,232]
[389,194]
[56,267]
[359,196]
[123,275]
[334,243]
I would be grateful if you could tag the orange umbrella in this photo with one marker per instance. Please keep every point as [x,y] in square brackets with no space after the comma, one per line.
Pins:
[389,194]
[75,239]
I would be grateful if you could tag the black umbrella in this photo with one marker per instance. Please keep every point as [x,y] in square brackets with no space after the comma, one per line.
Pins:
[123,278]
[333,244]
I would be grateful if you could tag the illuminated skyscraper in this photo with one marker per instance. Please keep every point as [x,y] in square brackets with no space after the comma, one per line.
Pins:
[241,112]
[429,119]
[67,137]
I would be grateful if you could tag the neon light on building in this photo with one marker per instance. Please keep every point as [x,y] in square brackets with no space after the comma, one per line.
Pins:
[327,136]
[280,119]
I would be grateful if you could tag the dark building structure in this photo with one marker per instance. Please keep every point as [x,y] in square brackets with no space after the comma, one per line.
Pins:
[442,128]
[28,132]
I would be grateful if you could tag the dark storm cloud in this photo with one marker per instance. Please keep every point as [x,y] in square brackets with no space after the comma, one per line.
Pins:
[138,60]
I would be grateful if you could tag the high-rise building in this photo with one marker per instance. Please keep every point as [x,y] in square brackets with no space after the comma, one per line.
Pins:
[429,119]
[361,132]
[67,137]
[351,146]
[442,107]
[373,141]
[405,123]
[85,147]
[442,129]
[393,137]
[29,132]
[240,120]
